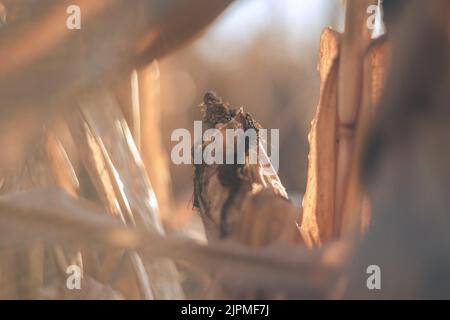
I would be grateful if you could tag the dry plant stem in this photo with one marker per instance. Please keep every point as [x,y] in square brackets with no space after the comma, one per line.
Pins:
[356,205]
[319,201]
[113,161]
[351,71]
[65,177]
[104,185]
[89,260]
[354,43]
[139,98]
[153,154]
[126,91]
[97,167]
[63,171]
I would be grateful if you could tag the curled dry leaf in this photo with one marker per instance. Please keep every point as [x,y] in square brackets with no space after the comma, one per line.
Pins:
[240,200]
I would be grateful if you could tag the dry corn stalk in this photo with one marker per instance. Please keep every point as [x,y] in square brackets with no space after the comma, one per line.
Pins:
[115,166]
[126,91]
[154,155]
[356,207]
[319,201]
[353,46]
[351,73]
[108,274]
[139,98]
[237,200]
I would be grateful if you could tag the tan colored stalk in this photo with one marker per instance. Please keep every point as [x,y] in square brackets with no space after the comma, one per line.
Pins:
[354,43]
[153,153]
[139,98]
[114,164]
[356,206]
[352,73]
[319,199]
[127,92]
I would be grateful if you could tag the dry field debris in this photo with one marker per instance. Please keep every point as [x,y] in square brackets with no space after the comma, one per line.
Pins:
[377,187]
[239,200]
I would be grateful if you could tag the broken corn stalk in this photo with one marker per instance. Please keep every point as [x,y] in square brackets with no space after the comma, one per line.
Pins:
[351,73]
[115,166]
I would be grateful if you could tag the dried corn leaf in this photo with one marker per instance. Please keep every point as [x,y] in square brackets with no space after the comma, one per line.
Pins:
[317,225]
[241,201]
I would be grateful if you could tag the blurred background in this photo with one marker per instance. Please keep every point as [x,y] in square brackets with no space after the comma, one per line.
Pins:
[259,54]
